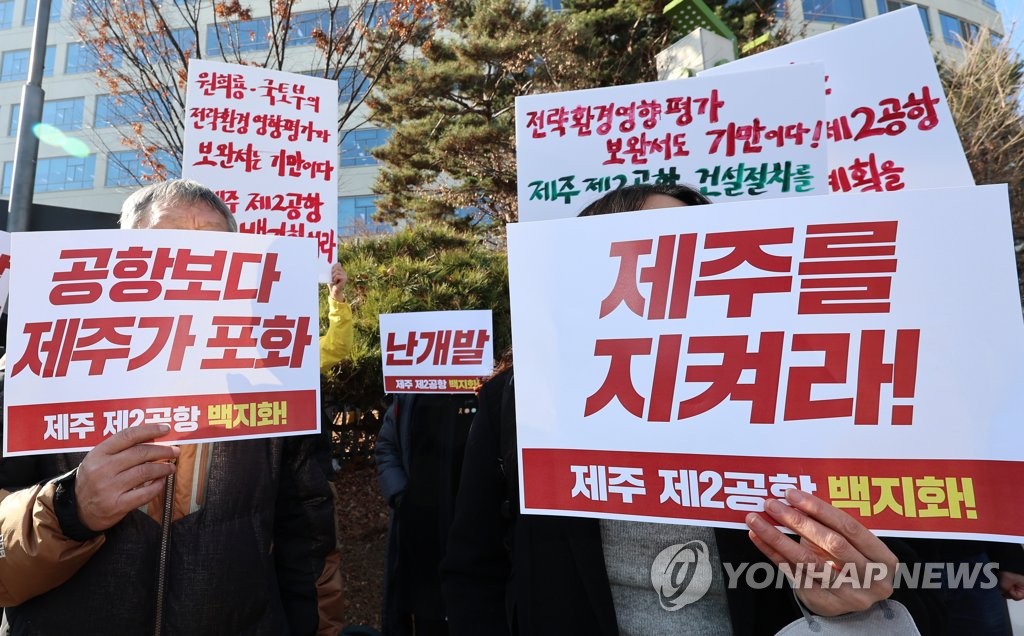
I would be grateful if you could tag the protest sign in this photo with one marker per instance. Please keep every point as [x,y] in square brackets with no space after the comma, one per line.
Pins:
[887,121]
[436,351]
[723,135]
[683,365]
[211,333]
[267,143]
[5,266]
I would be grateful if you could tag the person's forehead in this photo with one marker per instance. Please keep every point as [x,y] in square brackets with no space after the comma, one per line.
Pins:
[657,201]
[186,215]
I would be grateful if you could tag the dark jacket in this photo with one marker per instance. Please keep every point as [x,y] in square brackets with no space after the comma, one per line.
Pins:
[508,573]
[246,562]
[1009,556]
[393,454]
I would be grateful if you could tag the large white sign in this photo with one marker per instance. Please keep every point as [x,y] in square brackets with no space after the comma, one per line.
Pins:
[684,365]
[5,267]
[888,124]
[436,351]
[210,332]
[726,135]
[267,142]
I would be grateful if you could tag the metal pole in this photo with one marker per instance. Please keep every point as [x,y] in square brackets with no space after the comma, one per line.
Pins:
[26,148]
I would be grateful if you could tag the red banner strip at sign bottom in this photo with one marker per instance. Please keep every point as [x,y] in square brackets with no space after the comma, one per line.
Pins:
[901,495]
[431,384]
[75,426]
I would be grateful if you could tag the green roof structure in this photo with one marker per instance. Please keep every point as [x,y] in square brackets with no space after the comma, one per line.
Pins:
[688,15]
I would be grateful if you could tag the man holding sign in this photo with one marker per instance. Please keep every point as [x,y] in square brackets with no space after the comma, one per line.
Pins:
[137,536]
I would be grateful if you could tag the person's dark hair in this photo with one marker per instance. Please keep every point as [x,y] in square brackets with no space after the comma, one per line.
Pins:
[502,362]
[633,197]
[624,199]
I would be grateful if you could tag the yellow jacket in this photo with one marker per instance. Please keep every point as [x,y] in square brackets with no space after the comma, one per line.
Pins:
[336,344]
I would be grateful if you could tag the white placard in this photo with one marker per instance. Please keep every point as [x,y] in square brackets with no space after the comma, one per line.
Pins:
[888,123]
[267,142]
[436,351]
[211,333]
[724,135]
[686,364]
[5,267]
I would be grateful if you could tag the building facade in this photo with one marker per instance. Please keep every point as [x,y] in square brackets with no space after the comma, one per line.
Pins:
[91,169]
[96,172]
[947,22]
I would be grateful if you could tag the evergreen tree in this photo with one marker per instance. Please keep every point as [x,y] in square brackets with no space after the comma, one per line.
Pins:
[749,20]
[984,91]
[451,106]
[618,39]
[452,110]
[614,41]
[423,267]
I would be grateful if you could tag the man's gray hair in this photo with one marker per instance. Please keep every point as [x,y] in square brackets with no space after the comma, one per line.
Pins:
[136,209]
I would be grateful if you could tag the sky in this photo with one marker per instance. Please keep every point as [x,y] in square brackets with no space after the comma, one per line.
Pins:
[1013,21]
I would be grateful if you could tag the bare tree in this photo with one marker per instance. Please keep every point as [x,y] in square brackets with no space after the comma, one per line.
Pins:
[142,49]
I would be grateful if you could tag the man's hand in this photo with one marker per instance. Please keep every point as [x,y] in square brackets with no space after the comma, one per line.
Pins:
[122,473]
[338,280]
[829,540]
[1012,585]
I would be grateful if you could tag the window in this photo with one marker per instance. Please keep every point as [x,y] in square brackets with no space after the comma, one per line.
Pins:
[254,35]
[15,64]
[115,110]
[839,11]
[65,114]
[81,9]
[6,14]
[355,214]
[30,12]
[57,174]
[82,58]
[375,14]
[553,5]
[127,169]
[162,47]
[300,30]
[65,173]
[5,187]
[352,84]
[991,4]
[954,29]
[238,35]
[885,6]
[357,144]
